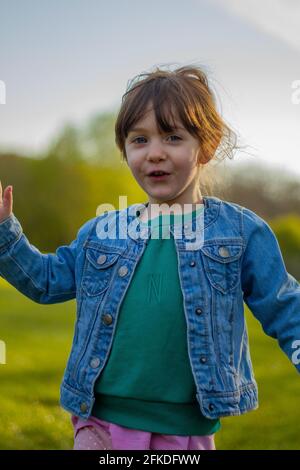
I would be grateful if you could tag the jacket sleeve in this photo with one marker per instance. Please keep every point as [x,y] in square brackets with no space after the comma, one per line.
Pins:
[270,292]
[44,278]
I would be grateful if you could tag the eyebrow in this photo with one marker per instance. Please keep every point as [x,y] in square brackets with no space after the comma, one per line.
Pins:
[141,129]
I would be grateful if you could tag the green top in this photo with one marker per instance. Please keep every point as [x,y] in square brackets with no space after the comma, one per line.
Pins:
[147,382]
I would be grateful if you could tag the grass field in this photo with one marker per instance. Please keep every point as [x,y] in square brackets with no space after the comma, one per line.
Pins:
[38,340]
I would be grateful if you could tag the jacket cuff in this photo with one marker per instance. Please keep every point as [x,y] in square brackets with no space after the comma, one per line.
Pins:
[10,232]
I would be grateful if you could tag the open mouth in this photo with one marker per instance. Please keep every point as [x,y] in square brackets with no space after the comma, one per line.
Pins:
[158,175]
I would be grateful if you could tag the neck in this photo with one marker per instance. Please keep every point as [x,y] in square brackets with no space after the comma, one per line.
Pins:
[154,209]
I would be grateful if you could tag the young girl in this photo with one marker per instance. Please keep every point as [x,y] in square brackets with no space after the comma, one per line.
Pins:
[160,350]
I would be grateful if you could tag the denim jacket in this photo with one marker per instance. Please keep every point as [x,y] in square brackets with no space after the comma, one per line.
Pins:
[239,260]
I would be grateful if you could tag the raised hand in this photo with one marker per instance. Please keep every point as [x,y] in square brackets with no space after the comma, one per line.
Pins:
[6,202]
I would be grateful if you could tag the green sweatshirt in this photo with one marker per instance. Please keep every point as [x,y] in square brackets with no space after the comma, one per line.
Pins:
[147,382]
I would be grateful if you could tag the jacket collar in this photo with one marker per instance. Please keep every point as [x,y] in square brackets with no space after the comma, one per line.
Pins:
[202,220]
[211,210]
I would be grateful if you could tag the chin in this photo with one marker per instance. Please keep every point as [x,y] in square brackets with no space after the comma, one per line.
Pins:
[162,200]
[159,197]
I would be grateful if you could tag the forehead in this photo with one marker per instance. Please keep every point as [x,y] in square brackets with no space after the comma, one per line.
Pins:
[148,122]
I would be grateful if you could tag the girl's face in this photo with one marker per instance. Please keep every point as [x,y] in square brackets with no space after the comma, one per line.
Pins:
[175,153]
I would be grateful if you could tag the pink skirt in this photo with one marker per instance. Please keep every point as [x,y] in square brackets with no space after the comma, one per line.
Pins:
[97,434]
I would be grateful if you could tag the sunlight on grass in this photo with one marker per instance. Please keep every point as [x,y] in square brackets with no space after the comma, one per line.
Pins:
[38,339]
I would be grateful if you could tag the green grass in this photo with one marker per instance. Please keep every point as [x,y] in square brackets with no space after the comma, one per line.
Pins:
[38,340]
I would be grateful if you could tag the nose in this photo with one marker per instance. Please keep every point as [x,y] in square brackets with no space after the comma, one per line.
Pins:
[156,152]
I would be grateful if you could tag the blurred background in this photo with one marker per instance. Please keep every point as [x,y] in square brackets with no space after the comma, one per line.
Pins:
[64,66]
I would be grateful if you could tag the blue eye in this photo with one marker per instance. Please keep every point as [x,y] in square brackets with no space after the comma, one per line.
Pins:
[175,136]
[134,140]
[137,138]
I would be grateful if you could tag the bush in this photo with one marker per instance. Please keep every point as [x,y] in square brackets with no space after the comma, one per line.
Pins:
[287,231]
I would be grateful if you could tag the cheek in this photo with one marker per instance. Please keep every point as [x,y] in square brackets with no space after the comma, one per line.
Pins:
[134,163]
[136,170]
[186,169]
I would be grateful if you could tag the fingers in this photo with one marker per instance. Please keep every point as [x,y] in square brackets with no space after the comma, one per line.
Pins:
[6,190]
[6,197]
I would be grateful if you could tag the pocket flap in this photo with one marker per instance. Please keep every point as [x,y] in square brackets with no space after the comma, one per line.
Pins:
[222,252]
[100,259]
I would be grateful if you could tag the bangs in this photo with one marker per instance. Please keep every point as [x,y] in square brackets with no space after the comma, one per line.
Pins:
[157,95]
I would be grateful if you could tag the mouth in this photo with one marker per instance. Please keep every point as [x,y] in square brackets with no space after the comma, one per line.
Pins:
[158,175]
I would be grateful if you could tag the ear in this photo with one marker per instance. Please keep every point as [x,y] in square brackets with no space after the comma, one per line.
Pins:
[203,157]
[209,148]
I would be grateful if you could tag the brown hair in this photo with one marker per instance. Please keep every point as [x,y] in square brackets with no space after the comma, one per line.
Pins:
[183,93]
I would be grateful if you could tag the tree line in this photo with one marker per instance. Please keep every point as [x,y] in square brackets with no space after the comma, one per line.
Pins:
[56,192]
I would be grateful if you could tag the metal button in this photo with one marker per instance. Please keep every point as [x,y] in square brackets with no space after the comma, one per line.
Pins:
[95,362]
[223,252]
[83,407]
[198,311]
[203,359]
[101,259]
[122,271]
[186,226]
[107,319]
[211,407]
[192,264]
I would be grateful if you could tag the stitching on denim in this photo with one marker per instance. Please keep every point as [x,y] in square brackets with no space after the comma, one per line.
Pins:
[44,291]
[8,244]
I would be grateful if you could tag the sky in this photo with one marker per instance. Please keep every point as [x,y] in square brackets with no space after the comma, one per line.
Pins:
[64,61]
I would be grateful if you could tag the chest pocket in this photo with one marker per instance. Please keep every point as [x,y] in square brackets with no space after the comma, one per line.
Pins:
[98,270]
[222,264]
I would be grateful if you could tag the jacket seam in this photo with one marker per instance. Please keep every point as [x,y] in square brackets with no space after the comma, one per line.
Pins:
[41,289]
[10,243]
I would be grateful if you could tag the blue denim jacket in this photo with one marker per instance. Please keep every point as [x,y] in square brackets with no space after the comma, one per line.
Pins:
[238,261]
